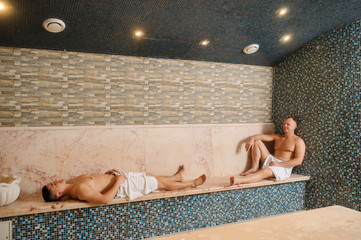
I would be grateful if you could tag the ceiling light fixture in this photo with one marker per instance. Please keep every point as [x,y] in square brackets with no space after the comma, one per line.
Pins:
[286,38]
[138,34]
[251,49]
[5,8]
[204,43]
[54,25]
[282,12]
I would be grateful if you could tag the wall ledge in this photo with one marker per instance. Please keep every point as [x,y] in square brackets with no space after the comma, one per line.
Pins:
[34,204]
[133,126]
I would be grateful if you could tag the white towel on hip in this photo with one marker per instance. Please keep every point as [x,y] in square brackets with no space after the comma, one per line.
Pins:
[137,184]
[280,173]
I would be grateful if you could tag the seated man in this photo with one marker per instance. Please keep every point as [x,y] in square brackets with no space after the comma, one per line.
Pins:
[102,188]
[289,152]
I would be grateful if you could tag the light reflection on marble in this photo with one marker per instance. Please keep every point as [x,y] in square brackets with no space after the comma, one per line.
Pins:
[40,155]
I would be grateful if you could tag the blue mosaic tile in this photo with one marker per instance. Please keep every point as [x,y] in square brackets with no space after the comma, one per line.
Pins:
[144,219]
[320,85]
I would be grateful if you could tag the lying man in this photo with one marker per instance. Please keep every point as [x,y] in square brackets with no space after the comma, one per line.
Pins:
[289,152]
[102,188]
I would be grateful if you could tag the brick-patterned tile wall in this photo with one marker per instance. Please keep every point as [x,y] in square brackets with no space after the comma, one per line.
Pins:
[54,88]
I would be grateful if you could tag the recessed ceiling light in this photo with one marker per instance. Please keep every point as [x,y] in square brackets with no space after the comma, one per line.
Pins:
[286,38]
[5,8]
[251,49]
[282,12]
[204,43]
[138,34]
[54,25]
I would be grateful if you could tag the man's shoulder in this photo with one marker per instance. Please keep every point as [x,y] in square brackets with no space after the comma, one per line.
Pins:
[299,140]
[81,188]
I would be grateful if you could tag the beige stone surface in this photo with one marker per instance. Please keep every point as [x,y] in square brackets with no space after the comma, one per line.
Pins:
[335,222]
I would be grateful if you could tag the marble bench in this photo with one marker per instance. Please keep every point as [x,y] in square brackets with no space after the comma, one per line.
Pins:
[156,214]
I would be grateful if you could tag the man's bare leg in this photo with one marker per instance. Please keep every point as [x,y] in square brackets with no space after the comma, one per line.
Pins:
[164,183]
[179,174]
[177,177]
[252,177]
[259,152]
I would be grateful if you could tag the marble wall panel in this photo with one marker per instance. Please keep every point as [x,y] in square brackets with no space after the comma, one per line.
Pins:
[88,150]
[134,150]
[168,148]
[30,154]
[40,155]
[230,156]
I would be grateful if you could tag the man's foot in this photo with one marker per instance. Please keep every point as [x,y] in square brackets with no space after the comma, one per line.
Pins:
[234,180]
[179,173]
[200,180]
[249,171]
[231,180]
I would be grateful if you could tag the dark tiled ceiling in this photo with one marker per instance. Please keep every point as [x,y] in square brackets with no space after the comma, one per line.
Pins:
[174,28]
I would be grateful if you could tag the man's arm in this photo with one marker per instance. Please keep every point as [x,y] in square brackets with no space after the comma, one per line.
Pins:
[86,193]
[300,150]
[263,137]
[113,172]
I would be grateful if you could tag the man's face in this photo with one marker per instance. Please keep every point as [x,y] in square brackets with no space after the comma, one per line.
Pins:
[57,186]
[289,125]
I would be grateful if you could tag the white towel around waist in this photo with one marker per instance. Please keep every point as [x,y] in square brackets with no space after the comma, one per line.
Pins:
[136,185]
[280,173]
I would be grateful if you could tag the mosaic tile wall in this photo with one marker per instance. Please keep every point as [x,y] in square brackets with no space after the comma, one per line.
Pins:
[139,220]
[53,88]
[321,85]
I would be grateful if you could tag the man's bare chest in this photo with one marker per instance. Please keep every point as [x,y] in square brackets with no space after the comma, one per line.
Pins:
[284,144]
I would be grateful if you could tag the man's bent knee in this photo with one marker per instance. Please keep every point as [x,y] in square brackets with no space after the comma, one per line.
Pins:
[263,149]
[259,143]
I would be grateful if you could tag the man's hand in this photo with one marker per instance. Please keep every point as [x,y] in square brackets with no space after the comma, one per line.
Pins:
[273,163]
[120,178]
[263,137]
[249,144]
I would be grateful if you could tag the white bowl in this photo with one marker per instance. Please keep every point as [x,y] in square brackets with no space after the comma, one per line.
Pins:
[9,189]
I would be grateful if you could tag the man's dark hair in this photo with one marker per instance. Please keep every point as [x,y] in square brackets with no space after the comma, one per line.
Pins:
[48,195]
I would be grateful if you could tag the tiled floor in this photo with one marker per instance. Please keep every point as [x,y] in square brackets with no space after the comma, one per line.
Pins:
[328,223]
